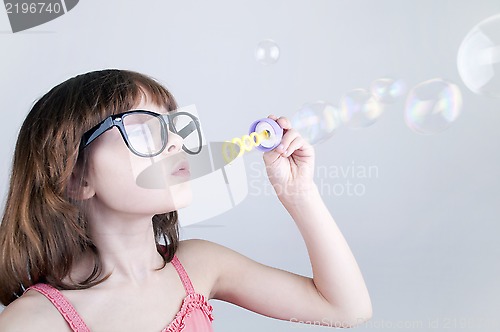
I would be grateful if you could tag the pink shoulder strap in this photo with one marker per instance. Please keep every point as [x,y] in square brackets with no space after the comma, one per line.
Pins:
[188,286]
[63,306]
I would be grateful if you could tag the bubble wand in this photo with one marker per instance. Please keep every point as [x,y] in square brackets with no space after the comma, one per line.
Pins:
[264,134]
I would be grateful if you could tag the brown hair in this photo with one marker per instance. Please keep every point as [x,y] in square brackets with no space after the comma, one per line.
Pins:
[43,231]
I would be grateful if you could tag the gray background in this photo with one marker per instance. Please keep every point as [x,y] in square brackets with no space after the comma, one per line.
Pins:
[425,230]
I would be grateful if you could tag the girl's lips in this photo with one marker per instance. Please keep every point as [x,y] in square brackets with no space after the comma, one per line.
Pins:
[181,169]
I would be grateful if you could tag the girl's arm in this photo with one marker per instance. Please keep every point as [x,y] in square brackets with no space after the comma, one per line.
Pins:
[336,274]
[336,295]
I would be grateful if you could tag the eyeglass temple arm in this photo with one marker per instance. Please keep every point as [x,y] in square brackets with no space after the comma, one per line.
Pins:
[96,132]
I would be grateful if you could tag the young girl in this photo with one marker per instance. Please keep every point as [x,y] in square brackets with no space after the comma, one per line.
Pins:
[83,247]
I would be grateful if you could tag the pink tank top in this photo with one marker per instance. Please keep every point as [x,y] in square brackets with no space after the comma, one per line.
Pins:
[195,313]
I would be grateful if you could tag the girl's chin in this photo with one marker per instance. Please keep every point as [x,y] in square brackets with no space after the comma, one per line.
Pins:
[181,198]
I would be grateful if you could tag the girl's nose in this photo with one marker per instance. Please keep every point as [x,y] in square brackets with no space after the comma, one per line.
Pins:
[174,143]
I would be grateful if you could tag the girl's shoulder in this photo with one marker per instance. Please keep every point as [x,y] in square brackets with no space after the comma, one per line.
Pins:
[197,251]
[32,311]
[204,262]
[194,245]
[202,253]
[197,258]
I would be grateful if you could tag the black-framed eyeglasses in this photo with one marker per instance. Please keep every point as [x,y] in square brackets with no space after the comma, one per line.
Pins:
[146,133]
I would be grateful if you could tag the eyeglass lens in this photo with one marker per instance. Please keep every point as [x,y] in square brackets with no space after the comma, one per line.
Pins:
[147,136]
[186,127]
[145,133]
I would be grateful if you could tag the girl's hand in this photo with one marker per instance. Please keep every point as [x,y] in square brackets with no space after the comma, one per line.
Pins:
[290,166]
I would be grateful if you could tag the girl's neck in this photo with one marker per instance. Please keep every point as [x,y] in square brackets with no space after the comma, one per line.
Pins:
[127,248]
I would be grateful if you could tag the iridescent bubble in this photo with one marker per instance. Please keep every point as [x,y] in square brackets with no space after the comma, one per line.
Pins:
[360,109]
[316,121]
[478,58]
[432,106]
[387,90]
[267,52]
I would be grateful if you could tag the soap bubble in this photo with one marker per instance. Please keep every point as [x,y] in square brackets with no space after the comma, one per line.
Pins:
[267,52]
[478,58]
[317,121]
[387,90]
[359,108]
[432,106]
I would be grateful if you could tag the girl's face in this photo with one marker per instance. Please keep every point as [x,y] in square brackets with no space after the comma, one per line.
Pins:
[123,182]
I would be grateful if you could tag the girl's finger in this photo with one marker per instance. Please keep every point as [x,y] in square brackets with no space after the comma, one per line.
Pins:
[287,138]
[284,123]
[296,144]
